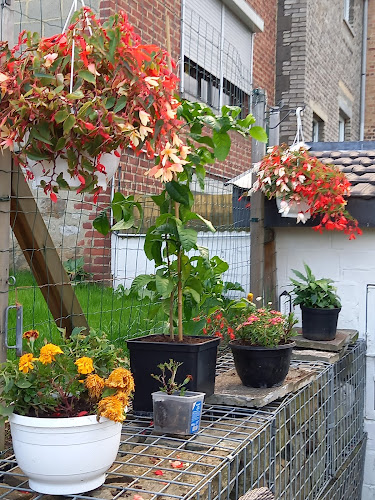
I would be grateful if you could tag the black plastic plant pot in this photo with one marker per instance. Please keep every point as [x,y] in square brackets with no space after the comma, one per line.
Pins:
[261,367]
[199,361]
[319,324]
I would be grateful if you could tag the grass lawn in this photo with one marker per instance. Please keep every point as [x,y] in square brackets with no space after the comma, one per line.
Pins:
[120,316]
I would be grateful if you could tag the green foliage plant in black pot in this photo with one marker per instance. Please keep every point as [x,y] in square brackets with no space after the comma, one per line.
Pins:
[176,410]
[261,343]
[320,305]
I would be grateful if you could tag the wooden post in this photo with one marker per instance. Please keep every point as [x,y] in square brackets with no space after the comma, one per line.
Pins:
[42,256]
[5,175]
[258,150]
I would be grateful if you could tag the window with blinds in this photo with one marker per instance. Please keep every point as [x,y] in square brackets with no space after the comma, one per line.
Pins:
[217,55]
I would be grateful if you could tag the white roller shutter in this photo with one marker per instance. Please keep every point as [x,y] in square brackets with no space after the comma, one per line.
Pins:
[203,40]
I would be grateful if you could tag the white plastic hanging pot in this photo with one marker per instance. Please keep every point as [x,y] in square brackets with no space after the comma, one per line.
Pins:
[43,169]
[291,208]
[63,456]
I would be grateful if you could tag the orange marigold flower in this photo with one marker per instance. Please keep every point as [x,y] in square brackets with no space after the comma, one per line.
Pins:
[123,397]
[112,408]
[31,335]
[85,365]
[48,353]
[95,385]
[250,297]
[25,363]
[121,378]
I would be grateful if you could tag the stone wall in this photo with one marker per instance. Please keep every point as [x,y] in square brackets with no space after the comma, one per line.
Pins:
[319,66]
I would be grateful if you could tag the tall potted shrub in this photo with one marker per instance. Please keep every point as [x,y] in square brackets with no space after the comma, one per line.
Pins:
[320,305]
[177,281]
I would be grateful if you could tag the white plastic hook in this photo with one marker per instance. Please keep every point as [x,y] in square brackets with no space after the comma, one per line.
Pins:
[299,140]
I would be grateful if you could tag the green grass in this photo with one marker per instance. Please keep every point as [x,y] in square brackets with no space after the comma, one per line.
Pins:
[120,316]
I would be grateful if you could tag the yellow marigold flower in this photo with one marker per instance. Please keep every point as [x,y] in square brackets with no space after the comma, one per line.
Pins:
[48,353]
[123,397]
[250,297]
[95,385]
[85,365]
[31,335]
[25,363]
[111,407]
[121,378]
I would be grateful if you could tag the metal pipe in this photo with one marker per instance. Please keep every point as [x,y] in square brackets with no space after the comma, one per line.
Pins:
[363,73]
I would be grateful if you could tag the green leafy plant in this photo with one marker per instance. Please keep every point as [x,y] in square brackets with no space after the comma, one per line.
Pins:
[76,271]
[82,375]
[312,292]
[168,381]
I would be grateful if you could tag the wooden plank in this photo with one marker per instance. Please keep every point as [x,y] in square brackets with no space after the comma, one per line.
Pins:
[257,207]
[40,252]
[5,174]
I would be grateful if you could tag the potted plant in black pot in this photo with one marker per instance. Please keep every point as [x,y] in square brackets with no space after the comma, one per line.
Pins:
[176,410]
[320,305]
[261,340]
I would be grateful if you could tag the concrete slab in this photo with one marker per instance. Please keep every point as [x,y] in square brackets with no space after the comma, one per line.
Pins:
[314,355]
[230,391]
[342,340]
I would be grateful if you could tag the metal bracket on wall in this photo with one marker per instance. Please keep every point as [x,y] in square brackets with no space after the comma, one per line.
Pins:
[6,3]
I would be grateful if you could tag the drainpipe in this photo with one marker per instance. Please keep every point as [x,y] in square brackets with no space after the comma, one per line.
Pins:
[363,72]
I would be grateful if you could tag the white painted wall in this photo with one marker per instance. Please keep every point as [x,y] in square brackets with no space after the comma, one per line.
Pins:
[129,260]
[351,264]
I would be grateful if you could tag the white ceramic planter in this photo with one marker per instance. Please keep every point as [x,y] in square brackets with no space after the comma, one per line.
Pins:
[41,168]
[62,456]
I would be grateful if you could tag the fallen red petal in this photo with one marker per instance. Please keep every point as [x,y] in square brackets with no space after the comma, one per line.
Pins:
[158,472]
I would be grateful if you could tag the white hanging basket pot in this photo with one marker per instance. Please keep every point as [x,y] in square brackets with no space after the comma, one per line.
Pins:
[63,456]
[43,169]
[291,208]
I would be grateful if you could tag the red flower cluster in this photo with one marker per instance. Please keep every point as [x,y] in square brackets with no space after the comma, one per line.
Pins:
[295,176]
[218,326]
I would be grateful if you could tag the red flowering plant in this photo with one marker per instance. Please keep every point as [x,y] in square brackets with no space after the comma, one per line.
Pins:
[93,90]
[295,176]
[243,321]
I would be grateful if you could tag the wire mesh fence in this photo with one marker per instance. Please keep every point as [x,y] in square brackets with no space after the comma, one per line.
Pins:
[100,269]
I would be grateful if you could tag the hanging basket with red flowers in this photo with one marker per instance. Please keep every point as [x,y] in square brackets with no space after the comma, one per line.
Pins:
[73,101]
[294,177]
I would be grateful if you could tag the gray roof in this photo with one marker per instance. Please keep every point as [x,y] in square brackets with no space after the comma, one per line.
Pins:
[355,159]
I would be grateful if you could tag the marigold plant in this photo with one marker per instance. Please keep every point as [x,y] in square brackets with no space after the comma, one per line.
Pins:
[83,375]
[294,175]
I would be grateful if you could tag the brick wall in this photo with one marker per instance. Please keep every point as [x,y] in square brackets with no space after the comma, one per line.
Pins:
[369,132]
[318,65]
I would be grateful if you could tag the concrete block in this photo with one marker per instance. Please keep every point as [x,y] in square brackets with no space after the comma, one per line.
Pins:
[343,339]
[230,391]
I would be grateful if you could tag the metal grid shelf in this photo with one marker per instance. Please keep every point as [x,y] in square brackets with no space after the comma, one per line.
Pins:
[144,454]
[293,446]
